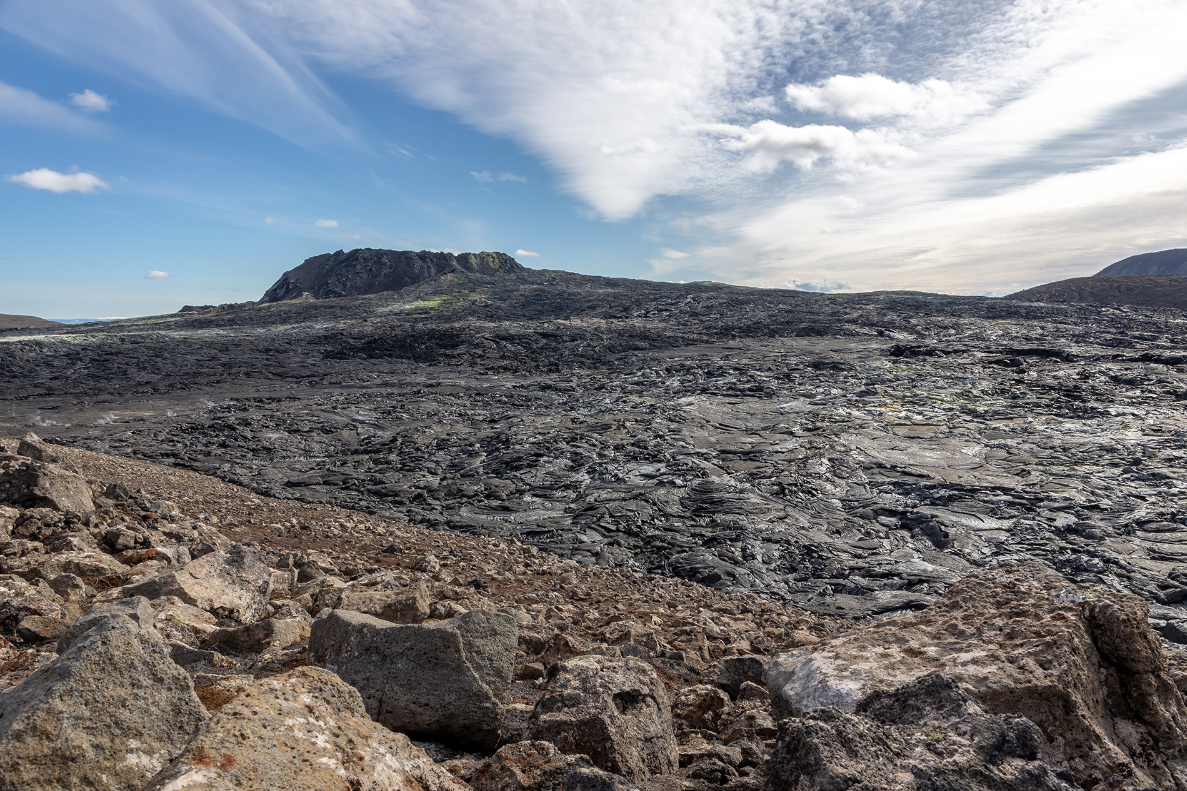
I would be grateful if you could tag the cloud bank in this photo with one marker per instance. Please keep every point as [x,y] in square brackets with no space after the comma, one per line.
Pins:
[943,145]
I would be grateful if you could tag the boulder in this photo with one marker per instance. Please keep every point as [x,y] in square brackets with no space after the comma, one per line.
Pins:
[20,600]
[80,564]
[700,707]
[735,671]
[410,605]
[616,711]
[539,766]
[136,609]
[107,713]
[1080,662]
[36,485]
[262,635]
[928,735]
[233,584]
[447,680]
[34,448]
[305,730]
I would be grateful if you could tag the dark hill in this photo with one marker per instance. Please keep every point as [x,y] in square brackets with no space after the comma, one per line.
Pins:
[9,322]
[1149,291]
[367,271]
[1164,262]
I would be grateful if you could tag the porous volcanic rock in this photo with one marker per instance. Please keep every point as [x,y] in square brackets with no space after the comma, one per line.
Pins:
[1080,663]
[302,731]
[35,484]
[233,584]
[107,713]
[447,679]
[367,271]
[1147,291]
[539,766]
[616,711]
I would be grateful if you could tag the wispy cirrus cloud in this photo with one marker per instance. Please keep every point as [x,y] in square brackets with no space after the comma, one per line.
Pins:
[19,106]
[863,141]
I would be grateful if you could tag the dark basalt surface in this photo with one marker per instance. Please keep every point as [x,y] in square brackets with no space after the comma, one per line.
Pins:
[1163,262]
[1148,291]
[852,454]
[367,271]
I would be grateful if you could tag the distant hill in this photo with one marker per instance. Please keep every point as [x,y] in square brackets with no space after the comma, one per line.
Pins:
[368,271]
[1148,291]
[1164,262]
[10,322]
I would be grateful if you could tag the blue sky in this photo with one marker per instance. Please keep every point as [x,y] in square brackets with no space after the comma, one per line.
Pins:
[951,146]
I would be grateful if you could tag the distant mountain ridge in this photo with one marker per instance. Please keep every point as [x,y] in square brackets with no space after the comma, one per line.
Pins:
[11,322]
[370,271]
[1163,262]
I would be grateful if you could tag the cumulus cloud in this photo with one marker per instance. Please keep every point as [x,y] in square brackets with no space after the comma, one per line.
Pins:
[769,142]
[91,101]
[326,224]
[874,96]
[53,181]
[157,275]
[526,254]
[481,177]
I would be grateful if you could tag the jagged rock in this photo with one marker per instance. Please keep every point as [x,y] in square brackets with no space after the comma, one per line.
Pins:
[232,584]
[269,633]
[368,271]
[735,671]
[539,766]
[80,564]
[109,712]
[700,706]
[34,484]
[1085,669]
[136,609]
[405,606]
[447,680]
[38,628]
[302,731]
[616,711]
[32,447]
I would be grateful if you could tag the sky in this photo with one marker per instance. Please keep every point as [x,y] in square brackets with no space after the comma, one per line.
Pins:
[155,154]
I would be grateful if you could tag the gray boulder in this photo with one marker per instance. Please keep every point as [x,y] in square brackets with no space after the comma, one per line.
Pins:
[447,680]
[232,584]
[406,606]
[108,713]
[735,671]
[539,766]
[136,609]
[33,484]
[303,731]
[615,710]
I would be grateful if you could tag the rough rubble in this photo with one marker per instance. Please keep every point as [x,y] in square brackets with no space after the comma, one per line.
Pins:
[1015,677]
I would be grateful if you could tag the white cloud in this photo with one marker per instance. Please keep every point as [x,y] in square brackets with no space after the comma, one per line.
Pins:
[326,224]
[674,254]
[89,100]
[769,142]
[158,275]
[513,177]
[18,106]
[53,181]
[526,254]
[481,177]
[270,220]
[874,96]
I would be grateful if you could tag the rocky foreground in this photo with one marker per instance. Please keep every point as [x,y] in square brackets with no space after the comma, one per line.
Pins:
[166,630]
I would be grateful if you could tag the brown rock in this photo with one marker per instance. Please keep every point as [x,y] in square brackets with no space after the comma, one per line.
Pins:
[406,606]
[303,731]
[233,584]
[700,706]
[1024,642]
[539,766]
[38,628]
[616,711]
